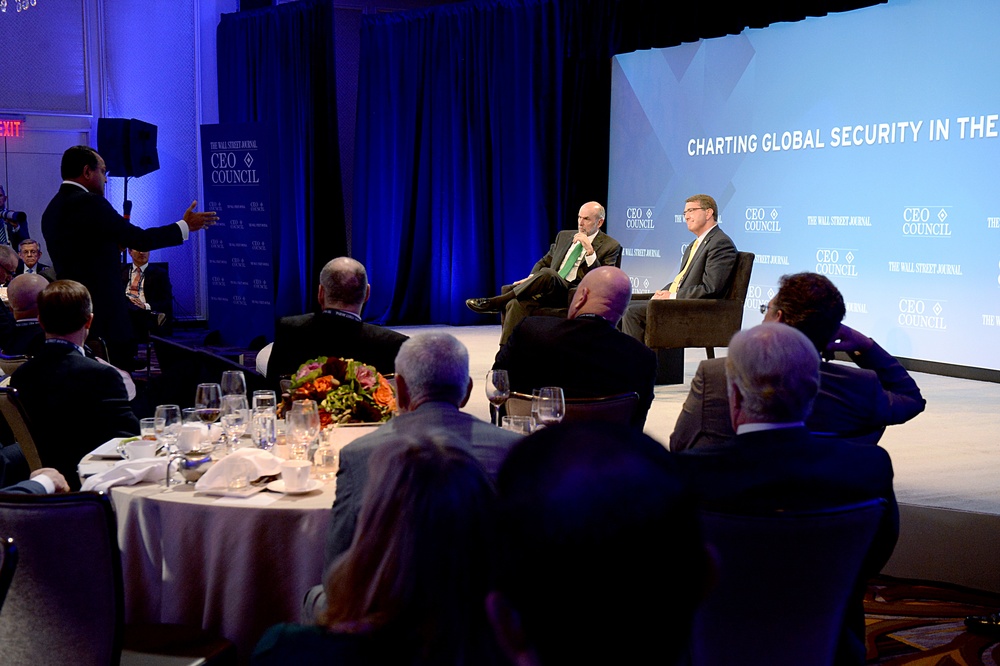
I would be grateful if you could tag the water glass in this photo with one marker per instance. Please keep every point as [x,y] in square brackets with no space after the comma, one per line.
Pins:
[263,399]
[522,425]
[171,415]
[234,418]
[148,428]
[233,383]
[302,427]
[265,428]
[326,461]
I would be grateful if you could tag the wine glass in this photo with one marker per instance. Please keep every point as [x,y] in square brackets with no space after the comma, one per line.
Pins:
[497,391]
[551,405]
[536,401]
[171,418]
[234,383]
[207,401]
[302,427]
[234,418]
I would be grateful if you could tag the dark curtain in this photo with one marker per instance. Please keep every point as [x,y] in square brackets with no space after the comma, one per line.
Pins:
[276,65]
[483,126]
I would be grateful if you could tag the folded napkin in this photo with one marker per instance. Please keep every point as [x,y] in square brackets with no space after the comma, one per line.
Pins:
[216,478]
[128,473]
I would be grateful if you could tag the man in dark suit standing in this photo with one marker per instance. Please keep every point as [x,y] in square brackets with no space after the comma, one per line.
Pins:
[74,403]
[775,463]
[84,236]
[584,354]
[30,254]
[853,402]
[338,329]
[568,260]
[706,267]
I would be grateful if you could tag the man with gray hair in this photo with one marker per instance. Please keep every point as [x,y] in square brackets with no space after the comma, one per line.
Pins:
[433,384]
[775,463]
[338,329]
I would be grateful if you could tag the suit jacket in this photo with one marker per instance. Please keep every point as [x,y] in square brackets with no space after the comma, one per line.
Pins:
[83,236]
[607,249]
[587,356]
[485,442]
[711,269]
[74,403]
[41,269]
[302,337]
[852,402]
[156,287]
[26,338]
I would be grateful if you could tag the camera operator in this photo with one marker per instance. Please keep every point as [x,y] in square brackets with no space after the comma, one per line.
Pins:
[15,223]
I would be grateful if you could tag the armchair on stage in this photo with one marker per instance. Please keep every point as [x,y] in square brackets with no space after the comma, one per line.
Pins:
[672,325]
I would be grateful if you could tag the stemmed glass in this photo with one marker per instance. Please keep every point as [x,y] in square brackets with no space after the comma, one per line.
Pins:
[234,418]
[264,421]
[170,416]
[551,405]
[302,425]
[234,383]
[207,401]
[497,392]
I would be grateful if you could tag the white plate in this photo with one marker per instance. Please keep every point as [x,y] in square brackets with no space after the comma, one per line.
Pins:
[279,487]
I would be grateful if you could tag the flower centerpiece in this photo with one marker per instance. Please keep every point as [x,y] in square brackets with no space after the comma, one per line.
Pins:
[347,391]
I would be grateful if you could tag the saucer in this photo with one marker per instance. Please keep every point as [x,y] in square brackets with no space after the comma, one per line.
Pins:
[279,487]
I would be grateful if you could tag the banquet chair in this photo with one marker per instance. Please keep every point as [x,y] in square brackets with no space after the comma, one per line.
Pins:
[13,412]
[785,579]
[10,363]
[606,409]
[8,564]
[66,601]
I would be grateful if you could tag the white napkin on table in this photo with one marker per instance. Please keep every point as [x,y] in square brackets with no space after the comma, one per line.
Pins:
[265,464]
[128,473]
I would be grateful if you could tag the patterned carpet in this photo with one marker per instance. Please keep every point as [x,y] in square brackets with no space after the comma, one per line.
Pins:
[920,623]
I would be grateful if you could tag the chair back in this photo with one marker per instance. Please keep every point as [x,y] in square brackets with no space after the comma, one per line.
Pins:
[605,409]
[13,412]
[65,604]
[10,363]
[8,563]
[784,584]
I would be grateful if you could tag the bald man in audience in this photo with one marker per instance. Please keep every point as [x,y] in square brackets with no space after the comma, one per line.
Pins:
[22,294]
[584,354]
[772,375]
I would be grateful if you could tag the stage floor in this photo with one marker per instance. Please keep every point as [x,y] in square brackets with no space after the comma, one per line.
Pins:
[946,462]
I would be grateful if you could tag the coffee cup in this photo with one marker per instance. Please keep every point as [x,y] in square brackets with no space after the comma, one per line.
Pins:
[140,448]
[295,474]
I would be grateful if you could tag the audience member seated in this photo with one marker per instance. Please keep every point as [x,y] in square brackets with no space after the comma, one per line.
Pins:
[73,402]
[775,463]
[30,254]
[8,263]
[22,294]
[410,588]
[44,481]
[584,354]
[854,403]
[601,556]
[338,329]
[150,295]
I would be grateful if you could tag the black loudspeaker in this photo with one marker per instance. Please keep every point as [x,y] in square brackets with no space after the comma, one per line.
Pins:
[128,146]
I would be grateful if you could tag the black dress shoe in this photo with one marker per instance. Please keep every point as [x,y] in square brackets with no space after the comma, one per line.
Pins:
[984,624]
[482,305]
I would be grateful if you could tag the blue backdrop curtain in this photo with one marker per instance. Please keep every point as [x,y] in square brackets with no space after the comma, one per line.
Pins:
[276,65]
[483,126]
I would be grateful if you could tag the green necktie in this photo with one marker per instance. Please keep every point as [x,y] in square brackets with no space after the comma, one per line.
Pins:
[570,262]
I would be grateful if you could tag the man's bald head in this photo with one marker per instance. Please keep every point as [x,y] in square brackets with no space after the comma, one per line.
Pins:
[343,284]
[22,293]
[605,292]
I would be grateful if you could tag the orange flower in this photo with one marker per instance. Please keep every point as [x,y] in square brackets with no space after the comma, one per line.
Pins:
[324,384]
[383,394]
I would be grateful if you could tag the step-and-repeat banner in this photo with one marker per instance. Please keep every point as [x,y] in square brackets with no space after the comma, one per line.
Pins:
[864,146]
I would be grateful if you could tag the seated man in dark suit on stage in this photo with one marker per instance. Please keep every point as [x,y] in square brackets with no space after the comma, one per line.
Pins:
[30,253]
[854,403]
[568,260]
[775,463]
[22,294]
[74,403]
[601,558]
[706,267]
[584,354]
[338,329]
[150,294]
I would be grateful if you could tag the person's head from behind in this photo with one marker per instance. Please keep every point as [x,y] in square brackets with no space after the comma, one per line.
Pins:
[8,263]
[22,294]
[423,553]
[433,367]
[64,308]
[343,285]
[772,375]
[604,292]
[602,559]
[810,303]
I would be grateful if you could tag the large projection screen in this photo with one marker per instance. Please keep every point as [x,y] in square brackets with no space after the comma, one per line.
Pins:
[863,145]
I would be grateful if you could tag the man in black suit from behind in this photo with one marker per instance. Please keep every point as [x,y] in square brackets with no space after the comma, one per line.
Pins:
[30,254]
[774,463]
[584,354]
[338,329]
[74,403]
[27,336]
